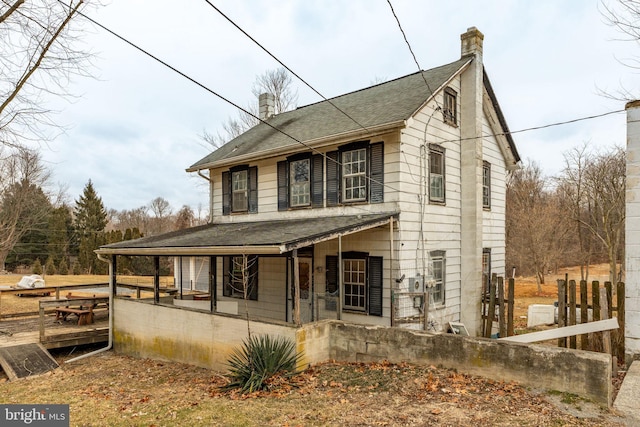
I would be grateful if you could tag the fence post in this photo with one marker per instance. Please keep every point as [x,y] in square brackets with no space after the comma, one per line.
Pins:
[606,335]
[572,311]
[491,314]
[501,315]
[584,313]
[609,288]
[485,314]
[562,309]
[620,295]
[595,296]
[510,297]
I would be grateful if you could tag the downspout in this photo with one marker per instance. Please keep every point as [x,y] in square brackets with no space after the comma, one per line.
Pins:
[208,178]
[111,289]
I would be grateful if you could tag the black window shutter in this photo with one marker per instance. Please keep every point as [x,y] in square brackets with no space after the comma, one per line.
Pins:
[226,276]
[376,162]
[375,286]
[253,277]
[226,193]
[317,181]
[333,178]
[283,186]
[253,189]
[332,281]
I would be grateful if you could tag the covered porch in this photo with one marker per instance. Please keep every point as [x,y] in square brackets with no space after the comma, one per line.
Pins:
[288,271]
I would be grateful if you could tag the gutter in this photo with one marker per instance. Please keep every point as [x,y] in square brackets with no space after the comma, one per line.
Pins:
[185,251]
[110,340]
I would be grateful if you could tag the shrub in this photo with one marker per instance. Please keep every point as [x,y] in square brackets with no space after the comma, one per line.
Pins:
[50,267]
[259,359]
[76,268]
[63,268]
[37,267]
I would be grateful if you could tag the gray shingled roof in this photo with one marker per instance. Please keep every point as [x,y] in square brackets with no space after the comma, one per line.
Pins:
[284,234]
[381,104]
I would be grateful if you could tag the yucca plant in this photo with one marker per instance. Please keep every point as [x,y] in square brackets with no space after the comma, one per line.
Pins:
[259,359]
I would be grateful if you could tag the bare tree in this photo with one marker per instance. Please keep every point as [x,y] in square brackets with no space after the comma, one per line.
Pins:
[535,224]
[39,57]
[23,203]
[595,184]
[160,222]
[277,82]
[184,218]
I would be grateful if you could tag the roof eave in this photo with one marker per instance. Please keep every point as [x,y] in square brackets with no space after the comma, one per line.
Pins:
[192,251]
[338,138]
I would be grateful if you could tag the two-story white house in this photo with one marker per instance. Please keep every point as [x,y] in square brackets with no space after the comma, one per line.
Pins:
[335,209]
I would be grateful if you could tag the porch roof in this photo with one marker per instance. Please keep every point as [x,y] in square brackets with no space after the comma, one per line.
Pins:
[259,237]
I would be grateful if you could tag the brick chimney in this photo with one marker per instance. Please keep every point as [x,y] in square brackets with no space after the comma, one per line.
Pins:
[472,42]
[266,105]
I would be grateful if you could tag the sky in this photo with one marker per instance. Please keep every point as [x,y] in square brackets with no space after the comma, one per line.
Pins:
[136,126]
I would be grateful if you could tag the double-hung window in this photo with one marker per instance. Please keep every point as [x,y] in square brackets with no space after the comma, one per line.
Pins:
[240,190]
[436,174]
[486,185]
[354,176]
[438,272]
[362,283]
[299,182]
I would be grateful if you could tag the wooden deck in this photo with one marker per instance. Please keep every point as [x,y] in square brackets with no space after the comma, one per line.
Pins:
[58,333]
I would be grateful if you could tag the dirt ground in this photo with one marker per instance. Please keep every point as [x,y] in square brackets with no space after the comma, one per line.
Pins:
[114,390]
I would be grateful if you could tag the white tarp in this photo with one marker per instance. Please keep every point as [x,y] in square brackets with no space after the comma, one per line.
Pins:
[30,282]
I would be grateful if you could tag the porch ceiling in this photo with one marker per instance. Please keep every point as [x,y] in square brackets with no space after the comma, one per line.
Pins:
[260,237]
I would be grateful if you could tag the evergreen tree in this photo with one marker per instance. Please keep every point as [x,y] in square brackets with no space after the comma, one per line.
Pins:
[50,267]
[63,268]
[37,266]
[61,238]
[77,269]
[90,221]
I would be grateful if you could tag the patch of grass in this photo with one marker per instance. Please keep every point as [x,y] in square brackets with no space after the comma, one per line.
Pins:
[568,398]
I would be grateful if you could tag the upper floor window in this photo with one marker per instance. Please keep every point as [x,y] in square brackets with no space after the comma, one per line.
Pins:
[436,174]
[438,273]
[486,185]
[355,173]
[354,176]
[301,182]
[239,198]
[240,190]
[450,109]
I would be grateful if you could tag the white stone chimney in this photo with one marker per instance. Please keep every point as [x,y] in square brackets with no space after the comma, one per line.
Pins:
[632,233]
[471,42]
[266,105]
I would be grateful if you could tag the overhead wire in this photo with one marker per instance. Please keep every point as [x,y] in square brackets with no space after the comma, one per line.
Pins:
[206,88]
[284,65]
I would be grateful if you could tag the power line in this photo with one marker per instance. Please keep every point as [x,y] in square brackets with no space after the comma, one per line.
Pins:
[283,64]
[410,49]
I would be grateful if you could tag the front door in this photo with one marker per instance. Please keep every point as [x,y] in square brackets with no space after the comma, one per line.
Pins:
[305,277]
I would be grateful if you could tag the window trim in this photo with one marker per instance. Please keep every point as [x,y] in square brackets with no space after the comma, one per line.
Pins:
[360,175]
[291,183]
[244,191]
[440,256]
[486,185]
[316,181]
[251,191]
[374,283]
[440,151]
[450,101]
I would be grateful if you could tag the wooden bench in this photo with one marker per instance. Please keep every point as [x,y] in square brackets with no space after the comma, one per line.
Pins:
[85,316]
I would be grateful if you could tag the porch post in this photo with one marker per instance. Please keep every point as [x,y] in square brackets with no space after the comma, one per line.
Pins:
[340,278]
[213,270]
[156,279]
[296,285]
[391,281]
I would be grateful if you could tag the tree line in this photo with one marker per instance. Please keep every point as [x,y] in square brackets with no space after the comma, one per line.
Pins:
[39,230]
[575,218]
